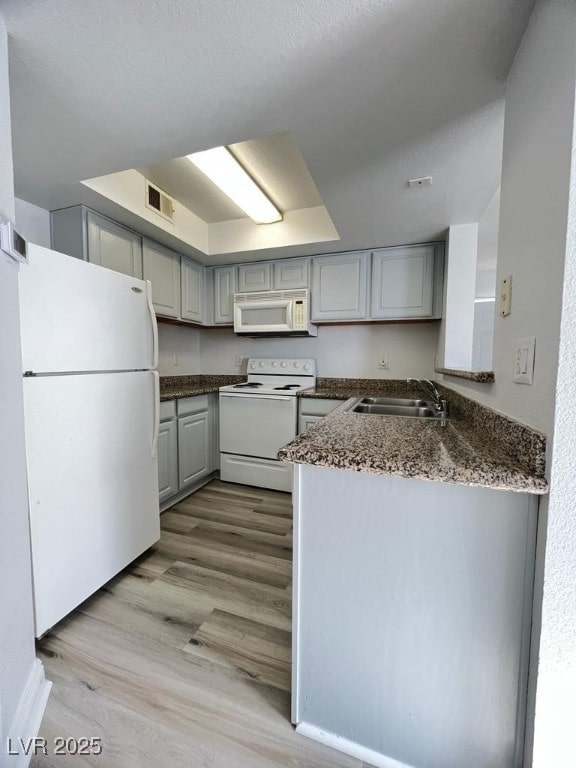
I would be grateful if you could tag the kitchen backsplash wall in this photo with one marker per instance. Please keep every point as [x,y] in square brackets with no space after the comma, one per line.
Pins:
[179,350]
[341,351]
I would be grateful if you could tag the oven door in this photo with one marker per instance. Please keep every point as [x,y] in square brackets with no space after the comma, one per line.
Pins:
[256,425]
[263,316]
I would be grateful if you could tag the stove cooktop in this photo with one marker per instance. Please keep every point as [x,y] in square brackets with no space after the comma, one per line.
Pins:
[286,376]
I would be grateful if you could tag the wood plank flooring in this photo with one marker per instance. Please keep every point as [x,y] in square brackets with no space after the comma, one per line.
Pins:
[184,658]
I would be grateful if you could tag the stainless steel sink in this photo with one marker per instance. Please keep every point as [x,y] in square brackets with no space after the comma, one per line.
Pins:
[396,401]
[396,406]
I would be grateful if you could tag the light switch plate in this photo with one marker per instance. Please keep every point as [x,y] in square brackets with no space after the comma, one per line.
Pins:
[524,360]
[506,296]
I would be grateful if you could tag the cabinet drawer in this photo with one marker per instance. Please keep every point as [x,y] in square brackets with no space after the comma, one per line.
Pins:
[310,406]
[167,410]
[193,404]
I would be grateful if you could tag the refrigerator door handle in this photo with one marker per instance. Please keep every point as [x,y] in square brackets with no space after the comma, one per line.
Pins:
[156,376]
[154,325]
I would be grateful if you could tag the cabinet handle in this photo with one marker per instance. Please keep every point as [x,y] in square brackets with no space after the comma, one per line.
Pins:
[153,323]
[156,376]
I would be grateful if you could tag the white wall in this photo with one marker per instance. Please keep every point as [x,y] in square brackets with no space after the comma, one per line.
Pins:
[33,223]
[17,653]
[533,214]
[182,342]
[340,351]
[533,247]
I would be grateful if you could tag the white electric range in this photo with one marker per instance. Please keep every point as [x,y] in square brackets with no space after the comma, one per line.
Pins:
[258,417]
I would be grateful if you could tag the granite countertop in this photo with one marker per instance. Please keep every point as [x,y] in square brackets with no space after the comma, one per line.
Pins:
[476,446]
[174,387]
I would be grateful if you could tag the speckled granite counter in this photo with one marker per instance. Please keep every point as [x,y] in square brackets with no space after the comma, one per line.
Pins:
[174,387]
[476,447]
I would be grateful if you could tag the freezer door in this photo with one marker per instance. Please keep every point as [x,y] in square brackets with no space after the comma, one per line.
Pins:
[92,478]
[77,316]
[256,425]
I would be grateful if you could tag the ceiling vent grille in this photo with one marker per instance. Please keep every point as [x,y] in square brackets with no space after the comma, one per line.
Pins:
[159,201]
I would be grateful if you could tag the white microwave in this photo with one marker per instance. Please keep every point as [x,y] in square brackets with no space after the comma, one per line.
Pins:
[273,313]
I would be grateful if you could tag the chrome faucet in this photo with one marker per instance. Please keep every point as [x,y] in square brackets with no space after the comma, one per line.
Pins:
[429,388]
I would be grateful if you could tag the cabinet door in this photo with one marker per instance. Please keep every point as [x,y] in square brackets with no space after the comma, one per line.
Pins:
[162,268]
[402,282]
[167,460]
[195,447]
[113,246]
[224,290]
[339,287]
[305,422]
[290,273]
[254,277]
[193,282]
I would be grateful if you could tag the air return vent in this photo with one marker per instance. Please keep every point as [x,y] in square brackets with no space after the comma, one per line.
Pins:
[159,201]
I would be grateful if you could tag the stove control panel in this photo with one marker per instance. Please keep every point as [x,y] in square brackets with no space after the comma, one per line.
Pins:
[283,366]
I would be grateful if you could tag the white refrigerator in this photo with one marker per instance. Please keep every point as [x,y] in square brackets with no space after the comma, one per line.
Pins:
[91,402]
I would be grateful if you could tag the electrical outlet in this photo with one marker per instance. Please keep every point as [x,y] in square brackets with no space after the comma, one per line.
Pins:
[383,362]
[524,360]
[176,359]
[239,360]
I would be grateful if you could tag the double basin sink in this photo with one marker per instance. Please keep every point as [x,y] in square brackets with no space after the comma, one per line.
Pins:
[397,406]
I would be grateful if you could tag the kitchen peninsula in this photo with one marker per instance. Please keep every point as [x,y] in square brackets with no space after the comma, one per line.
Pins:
[412,598]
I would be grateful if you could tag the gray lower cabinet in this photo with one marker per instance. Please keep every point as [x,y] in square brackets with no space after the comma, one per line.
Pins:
[340,287]
[162,268]
[167,459]
[224,290]
[312,410]
[187,445]
[193,278]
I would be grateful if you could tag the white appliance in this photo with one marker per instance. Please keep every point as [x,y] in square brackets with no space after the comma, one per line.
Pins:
[91,401]
[273,313]
[258,417]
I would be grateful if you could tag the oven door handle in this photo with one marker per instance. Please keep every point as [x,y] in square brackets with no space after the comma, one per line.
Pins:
[256,397]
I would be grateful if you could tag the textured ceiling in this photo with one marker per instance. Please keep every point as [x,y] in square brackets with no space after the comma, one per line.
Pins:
[373,91]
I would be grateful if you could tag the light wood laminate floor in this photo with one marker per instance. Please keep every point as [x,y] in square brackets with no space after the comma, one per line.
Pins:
[184,659]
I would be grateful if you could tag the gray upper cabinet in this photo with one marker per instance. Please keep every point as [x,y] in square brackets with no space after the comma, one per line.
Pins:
[113,246]
[255,277]
[193,278]
[87,235]
[224,290]
[403,283]
[290,273]
[162,268]
[340,287]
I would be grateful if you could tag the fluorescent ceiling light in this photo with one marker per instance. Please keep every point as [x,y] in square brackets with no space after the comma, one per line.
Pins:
[222,168]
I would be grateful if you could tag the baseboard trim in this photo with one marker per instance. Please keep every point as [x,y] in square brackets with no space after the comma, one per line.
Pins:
[28,716]
[348,747]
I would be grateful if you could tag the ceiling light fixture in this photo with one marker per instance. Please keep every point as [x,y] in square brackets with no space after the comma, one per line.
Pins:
[222,168]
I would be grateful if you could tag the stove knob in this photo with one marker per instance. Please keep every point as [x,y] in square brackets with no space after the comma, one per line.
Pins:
[252,365]
[306,367]
[296,364]
[262,364]
[275,364]
[283,365]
